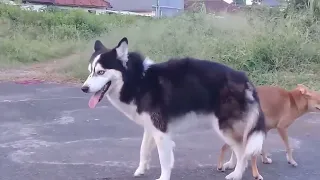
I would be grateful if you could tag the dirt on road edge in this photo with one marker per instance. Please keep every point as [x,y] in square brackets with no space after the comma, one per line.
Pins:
[44,71]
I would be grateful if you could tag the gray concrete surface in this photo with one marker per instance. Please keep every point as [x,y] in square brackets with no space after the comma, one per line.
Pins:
[49,133]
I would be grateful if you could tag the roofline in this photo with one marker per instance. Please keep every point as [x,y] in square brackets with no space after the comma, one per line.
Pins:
[134,10]
[64,5]
[37,2]
[85,6]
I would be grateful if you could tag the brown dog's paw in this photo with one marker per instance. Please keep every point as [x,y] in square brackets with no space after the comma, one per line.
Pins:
[220,169]
[259,177]
[293,163]
[266,160]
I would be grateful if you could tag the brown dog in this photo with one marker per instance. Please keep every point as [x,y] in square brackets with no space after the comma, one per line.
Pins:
[281,108]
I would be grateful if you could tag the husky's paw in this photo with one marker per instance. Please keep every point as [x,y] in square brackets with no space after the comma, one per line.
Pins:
[258,177]
[234,176]
[140,171]
[266,160]
[163,178]
[165,175]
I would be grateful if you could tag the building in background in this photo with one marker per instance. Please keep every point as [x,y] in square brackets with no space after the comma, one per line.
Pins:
[167,8]
[271,3]
[210,6]
[138,6]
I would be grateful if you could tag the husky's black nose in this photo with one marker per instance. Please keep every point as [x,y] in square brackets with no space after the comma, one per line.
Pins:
[85,89]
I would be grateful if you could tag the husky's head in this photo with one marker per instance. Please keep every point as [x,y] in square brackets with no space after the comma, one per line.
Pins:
[106,67]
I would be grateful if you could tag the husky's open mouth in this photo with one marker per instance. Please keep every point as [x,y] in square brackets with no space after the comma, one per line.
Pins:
[98,96]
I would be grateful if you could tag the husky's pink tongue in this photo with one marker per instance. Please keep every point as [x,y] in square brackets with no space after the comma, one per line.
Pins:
[94,100]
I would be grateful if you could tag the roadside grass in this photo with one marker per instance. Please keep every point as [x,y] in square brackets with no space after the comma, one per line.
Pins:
[24,45]
[30,37]
[271,49]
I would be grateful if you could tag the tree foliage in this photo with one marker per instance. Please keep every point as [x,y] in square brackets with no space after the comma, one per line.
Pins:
[313,6]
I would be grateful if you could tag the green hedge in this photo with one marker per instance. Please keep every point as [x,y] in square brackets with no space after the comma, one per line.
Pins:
[70,24]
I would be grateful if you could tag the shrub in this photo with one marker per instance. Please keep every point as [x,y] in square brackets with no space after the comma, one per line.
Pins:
[29,36]
[270,47]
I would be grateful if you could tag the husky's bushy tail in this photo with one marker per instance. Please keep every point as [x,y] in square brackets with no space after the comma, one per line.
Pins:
[255,132]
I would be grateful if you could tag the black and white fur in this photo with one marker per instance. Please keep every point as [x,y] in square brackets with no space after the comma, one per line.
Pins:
[161,96]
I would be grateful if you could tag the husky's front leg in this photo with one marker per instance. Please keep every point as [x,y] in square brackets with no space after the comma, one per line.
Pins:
[146,149]
[165,150]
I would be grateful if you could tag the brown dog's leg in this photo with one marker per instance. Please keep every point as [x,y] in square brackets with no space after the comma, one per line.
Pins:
[255,171]
[265,158]
[224,148]
[284,135]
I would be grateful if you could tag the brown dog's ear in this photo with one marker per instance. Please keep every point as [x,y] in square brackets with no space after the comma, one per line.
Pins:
[303,89]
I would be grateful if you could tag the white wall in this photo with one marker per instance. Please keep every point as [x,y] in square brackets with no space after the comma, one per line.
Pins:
[120,5]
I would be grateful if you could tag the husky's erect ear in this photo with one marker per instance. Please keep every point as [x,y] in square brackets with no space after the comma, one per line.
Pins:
[98,45]
[122,50]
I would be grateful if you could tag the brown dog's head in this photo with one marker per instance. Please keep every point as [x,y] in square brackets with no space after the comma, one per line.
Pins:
[312,97]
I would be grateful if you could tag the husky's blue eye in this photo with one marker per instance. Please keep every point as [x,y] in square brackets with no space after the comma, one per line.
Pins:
[101,72]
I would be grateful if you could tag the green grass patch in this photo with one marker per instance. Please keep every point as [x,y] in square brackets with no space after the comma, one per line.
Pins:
[30,37]
[271,49]
[272,46]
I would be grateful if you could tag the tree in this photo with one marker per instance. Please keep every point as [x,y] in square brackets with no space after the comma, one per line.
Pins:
[313,6]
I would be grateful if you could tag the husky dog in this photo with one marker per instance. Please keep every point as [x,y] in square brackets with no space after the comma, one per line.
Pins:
[161,96]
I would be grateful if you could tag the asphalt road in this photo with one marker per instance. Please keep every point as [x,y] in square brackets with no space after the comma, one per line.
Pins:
[49,133]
